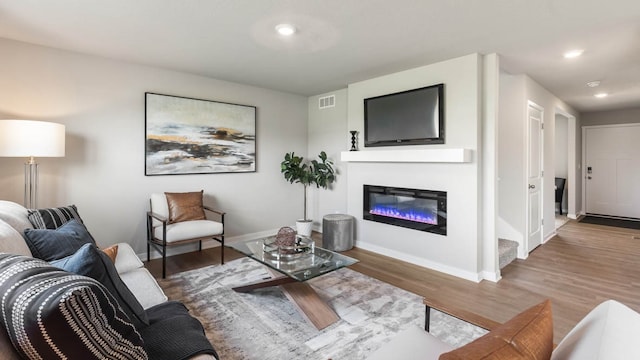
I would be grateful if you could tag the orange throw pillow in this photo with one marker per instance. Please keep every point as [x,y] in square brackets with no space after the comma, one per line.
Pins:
[185,206]
[529,335]
[112,252]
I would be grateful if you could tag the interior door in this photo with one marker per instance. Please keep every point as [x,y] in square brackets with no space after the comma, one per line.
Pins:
[534,176]
[612,170]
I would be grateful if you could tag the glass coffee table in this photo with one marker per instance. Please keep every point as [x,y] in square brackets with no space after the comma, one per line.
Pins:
[290,268]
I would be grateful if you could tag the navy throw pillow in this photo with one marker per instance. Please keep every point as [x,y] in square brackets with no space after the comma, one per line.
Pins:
[52,314]
[56,244]
[94,263]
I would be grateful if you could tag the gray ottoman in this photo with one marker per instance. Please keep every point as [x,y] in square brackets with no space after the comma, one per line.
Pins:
[337,232]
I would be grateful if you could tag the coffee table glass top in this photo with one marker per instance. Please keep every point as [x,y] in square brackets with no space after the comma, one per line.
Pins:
[302,264]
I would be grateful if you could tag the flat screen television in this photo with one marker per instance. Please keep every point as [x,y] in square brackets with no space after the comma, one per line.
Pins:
[412,117]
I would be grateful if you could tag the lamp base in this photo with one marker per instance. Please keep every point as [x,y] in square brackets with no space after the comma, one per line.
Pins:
[31,184]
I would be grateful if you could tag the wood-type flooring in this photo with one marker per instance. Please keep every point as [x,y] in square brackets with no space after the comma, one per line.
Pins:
[583,265]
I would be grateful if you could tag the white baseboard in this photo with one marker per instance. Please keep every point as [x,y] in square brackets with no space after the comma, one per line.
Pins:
[181,249]
[548,237]
[491,276]
[467,275]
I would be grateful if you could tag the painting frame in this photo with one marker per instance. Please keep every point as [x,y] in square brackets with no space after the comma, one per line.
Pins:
[188,136]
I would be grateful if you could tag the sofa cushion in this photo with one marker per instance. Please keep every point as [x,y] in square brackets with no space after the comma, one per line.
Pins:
[185,206]
[144,286]
[126,259]
[15,215]
[56,244]
[90,261]
[413,343]
[52,314]
[529,335]
[11,241]
[610,331]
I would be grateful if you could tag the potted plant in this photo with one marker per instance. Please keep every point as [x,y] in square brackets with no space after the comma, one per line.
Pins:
[318,173]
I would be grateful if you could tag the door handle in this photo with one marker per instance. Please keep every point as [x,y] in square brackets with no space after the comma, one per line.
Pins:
[531,186]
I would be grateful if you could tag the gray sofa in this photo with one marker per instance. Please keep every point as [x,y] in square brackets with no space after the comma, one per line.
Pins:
[13,222]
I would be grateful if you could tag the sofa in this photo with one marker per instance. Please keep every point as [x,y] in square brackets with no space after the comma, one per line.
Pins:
[166,319]
[608,332]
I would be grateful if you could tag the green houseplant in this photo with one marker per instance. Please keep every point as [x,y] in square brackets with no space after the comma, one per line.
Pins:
[319,173]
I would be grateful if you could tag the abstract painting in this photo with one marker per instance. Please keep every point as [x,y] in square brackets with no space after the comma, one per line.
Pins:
[193,136]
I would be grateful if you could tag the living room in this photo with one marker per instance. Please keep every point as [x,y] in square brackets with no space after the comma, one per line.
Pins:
[100,100]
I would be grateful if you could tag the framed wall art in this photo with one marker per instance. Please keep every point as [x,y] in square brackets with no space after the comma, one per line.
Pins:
[194,136]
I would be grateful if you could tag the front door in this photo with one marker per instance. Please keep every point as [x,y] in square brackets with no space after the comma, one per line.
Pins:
[534,176]
[612,170]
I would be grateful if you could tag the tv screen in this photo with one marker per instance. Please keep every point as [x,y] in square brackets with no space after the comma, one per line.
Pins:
[411,117]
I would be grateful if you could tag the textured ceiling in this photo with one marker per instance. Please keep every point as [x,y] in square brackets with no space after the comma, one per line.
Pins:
[344,41]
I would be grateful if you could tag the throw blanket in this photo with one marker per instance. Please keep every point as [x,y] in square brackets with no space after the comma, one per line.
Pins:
[173,334]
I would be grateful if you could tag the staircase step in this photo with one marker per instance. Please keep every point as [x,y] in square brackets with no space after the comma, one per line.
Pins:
[507,251]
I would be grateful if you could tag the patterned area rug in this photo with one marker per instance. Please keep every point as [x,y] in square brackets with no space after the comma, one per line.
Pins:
[264,324]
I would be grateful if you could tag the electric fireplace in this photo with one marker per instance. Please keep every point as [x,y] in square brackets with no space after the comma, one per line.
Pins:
[423,210]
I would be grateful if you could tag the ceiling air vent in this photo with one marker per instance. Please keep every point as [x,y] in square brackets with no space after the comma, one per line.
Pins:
[327,102]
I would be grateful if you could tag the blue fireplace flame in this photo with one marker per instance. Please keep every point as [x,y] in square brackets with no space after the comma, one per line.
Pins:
[410,214]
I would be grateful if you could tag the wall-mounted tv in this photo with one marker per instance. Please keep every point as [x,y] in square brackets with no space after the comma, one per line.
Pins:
[412,117]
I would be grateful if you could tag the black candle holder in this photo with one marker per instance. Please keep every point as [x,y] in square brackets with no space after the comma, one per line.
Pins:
[354,135]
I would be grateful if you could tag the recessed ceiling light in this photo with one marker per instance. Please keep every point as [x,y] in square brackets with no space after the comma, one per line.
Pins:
[285,29]
[601,95]
[593,84]
[573,54]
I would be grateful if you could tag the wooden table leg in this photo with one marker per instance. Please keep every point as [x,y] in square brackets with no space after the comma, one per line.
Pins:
[263,284]
[312,307]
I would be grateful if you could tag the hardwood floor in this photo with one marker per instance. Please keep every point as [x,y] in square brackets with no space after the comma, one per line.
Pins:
[579,268]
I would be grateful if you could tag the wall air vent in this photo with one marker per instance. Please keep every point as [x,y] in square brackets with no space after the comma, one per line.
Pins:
[327,102]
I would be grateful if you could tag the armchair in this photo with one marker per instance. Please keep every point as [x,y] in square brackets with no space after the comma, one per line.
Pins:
[180,218]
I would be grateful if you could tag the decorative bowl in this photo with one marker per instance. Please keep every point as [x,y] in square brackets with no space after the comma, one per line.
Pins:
[301,247]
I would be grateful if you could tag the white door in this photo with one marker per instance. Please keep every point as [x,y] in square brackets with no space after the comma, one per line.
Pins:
[534,176]
[612,170]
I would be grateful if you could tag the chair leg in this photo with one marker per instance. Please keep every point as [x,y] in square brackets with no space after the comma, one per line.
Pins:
[164,262]
[222,250]
[148,251]
[200,245]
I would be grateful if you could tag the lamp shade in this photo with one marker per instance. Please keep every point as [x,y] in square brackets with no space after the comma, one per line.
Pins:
[27,138]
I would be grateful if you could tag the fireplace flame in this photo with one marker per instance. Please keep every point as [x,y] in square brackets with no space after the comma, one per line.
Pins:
[411,215]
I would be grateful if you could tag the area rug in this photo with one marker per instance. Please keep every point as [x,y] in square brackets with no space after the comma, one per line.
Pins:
[264,324]
[628,224]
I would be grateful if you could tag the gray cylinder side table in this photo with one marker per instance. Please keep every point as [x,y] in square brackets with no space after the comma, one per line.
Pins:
[337,232]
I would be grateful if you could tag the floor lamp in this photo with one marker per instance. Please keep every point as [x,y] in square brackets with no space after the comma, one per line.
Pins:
[31,139]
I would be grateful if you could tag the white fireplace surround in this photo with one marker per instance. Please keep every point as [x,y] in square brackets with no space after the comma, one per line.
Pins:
[412,156]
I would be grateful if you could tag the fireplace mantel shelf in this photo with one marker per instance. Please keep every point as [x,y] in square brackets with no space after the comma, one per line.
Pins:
[414,156]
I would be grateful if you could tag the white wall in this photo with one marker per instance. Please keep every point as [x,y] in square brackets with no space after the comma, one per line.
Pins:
[611,117]
[561,146]
[328,132]
[101,102]
[515,91]
[458,253]
[511,158]
[561,153]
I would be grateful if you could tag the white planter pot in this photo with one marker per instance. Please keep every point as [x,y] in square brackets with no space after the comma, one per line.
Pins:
[304,227]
